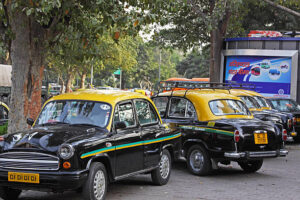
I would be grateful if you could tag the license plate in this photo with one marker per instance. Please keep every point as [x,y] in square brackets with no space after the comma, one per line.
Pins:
[298,119]
[23,177]
[261,138]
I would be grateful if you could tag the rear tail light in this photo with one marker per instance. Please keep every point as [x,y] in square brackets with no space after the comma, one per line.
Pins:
[284,135]
[294,121]
[290,123]
[236,136]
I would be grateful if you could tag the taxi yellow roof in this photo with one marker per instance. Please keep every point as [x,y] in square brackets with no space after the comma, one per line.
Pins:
[109,96]
[201,99]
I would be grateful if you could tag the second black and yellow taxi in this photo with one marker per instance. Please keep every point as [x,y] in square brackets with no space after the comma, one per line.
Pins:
[218,127]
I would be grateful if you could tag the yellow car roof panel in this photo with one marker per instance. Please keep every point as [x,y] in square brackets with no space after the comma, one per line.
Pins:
[201,99]
[109,96]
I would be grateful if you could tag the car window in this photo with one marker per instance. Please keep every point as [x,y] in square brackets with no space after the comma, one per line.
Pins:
[125,113]
[250,102]
[261,101]
[285,105]
[181,108]
[228,107]
[75,112]
[3,112]
[145,113]
[161,105]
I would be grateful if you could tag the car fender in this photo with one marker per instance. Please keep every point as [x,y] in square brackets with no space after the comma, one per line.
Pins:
[106,160]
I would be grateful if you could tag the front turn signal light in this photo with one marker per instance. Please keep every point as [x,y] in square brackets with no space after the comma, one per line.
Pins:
[66,165]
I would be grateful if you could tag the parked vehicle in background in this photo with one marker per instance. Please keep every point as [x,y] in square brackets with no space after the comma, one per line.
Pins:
[286,118]
[217,128]
[288,106]
[84,140]
[5,84]
[54,89]
[4,110]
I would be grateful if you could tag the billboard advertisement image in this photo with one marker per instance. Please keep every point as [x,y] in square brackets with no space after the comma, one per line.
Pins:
[270,75]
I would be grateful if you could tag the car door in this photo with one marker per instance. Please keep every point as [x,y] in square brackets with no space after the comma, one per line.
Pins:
[151,130]
[128,142]
[3,119]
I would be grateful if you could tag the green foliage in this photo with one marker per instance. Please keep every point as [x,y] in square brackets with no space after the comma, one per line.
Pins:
[191,25]
[195,65]
[145,74]
[258,15]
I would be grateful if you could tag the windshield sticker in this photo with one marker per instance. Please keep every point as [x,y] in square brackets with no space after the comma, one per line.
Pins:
[106,117]
[104,107]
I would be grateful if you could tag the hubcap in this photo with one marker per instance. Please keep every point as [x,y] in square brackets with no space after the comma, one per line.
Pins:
[99,185]
[164,166]
[196,160]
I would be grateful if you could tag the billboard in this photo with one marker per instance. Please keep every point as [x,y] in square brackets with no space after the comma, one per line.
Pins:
[270,74]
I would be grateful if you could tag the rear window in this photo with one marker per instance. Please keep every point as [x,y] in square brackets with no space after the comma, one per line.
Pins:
[228,107]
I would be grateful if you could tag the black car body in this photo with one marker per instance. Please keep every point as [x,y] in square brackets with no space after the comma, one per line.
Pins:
[260,109]
[288,107]
[217,127]
[84,139]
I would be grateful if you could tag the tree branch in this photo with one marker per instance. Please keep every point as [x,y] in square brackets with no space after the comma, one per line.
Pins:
[290,11]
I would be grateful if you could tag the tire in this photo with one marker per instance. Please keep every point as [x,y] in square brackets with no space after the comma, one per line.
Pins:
[161,175]
[198,161]
[9,193]
[251,166]
[95,187]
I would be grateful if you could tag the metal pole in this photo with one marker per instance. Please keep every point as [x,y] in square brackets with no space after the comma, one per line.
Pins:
[159,65]
[120,79]
[92,76]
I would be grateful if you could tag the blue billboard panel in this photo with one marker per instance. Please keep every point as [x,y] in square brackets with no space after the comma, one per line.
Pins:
[270,75]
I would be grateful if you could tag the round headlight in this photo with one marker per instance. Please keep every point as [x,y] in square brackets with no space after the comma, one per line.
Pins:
[66,151]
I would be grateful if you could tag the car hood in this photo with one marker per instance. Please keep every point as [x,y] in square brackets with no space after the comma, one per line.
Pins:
[50,138]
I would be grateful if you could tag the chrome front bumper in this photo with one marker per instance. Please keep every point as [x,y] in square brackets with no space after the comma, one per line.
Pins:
[256,154]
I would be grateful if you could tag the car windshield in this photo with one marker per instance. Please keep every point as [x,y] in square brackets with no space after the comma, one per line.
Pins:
[75,112]
[261,101]
[250,102]
[285,105]
[228,107]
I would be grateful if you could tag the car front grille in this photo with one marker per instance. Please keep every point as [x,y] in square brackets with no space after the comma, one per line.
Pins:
[29,161]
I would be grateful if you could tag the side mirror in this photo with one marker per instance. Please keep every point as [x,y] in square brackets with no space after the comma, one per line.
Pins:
[30,121]
[120,125]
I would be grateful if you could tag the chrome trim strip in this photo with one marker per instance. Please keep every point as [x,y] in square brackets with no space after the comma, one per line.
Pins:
[28,161]
[21,152]
[135,173]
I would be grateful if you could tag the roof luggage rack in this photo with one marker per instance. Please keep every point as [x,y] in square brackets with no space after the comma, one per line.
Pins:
[190,85]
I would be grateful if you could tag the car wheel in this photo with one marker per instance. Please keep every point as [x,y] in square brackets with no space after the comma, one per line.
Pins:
[9,193]
[95,187]
[161,175]
[198,160]
[251,166]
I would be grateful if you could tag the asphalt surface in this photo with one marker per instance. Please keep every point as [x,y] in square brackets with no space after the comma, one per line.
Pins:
[279,178]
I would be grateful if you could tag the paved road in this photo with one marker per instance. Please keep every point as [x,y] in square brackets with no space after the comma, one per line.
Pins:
[278,179]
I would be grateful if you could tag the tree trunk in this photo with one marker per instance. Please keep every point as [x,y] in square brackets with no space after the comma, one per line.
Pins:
[27,70]
[70,78]
[82,79]
[216,41]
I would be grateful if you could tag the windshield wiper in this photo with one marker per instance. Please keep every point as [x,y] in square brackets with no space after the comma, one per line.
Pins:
[52,123]
[85,124]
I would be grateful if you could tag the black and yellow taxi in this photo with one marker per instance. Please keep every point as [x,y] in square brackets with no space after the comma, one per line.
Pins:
[289,107]
[4,110]
[261,109]
[218,128]
[84,140]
